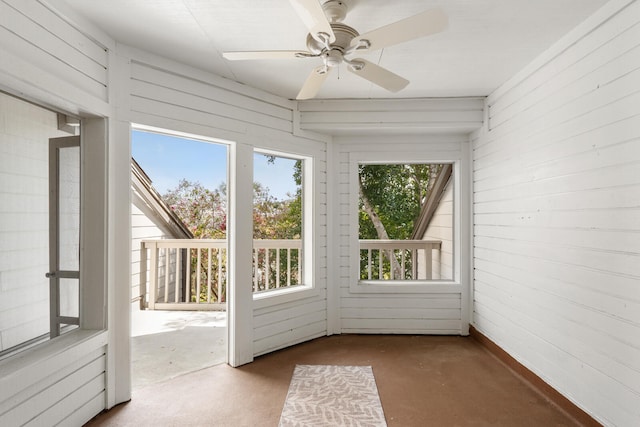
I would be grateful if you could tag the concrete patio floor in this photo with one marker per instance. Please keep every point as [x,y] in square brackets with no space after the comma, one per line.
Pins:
[167,344]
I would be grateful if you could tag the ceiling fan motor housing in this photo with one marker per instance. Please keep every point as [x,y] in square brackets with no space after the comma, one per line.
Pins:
[333,55]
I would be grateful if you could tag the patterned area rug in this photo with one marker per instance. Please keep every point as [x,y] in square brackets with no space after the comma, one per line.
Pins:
[329,395]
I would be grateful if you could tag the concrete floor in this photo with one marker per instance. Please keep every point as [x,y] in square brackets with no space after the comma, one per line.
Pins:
[422,381]
[168,344]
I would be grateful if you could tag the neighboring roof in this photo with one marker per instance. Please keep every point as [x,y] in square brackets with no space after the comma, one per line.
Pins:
[141,182]
[430,205]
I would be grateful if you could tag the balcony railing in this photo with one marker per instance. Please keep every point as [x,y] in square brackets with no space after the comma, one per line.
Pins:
[397,260]
[191,274]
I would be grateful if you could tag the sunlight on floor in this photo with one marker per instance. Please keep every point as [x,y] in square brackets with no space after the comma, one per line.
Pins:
[167,344]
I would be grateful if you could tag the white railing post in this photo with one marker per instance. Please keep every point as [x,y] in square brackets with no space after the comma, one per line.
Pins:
[153,268]
[198,275]
[219,299]
[143,276]
[208,281]
[187,291]
[167,271]
[178,282]
[428,262]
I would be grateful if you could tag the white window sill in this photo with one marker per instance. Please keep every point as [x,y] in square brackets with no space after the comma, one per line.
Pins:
[283,295]
[406,287]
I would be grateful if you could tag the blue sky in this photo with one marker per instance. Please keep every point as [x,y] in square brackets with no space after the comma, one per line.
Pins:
[167,159]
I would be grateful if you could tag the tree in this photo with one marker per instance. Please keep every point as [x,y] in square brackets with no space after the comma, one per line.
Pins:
[391,196]
[203,211]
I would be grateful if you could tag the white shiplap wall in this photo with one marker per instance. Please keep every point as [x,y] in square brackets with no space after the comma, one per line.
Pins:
[71,390]
[557,216]
[433,309]
[41,50]
[171,96]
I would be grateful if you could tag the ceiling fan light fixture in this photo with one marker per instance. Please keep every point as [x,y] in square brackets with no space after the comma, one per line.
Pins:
[331,40]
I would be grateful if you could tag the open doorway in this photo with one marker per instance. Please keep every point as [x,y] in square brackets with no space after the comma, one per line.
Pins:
[179,254]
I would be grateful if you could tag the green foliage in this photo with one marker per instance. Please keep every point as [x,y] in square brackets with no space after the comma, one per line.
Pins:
[202,210]
[396,192]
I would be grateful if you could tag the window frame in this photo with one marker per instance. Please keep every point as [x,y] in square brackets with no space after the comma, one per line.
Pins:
[307,288]
[410,286]
[92,316]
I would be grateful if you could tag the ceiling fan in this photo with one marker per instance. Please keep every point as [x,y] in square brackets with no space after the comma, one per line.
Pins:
[335,42]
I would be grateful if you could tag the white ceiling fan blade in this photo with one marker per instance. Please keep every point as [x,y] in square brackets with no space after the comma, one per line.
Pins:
[311,13]
[313,83]
[265,54]
[423,24]
[378,75]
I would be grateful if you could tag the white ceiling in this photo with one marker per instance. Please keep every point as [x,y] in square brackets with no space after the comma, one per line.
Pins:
[486,43]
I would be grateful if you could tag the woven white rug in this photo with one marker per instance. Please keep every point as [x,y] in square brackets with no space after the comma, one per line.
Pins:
[329,395]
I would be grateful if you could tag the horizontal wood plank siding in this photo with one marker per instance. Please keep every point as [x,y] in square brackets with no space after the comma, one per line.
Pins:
[438,312]
[557,218]
[165,93]
[350,116]
[54,46]
[70,385]
[284,325]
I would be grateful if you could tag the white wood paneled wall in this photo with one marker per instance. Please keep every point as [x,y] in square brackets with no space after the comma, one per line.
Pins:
[557,216]
[399,116]
[41,50]
[64,386]
[426,312]
[49,59]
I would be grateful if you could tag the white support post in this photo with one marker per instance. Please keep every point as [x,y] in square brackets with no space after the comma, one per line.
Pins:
[240,297]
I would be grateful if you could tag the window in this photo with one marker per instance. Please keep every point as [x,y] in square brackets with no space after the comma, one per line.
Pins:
[281,222]
[405,221]
[39,226]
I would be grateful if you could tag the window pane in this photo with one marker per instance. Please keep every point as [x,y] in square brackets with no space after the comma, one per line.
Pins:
[24,220]
[69,208]
[277,221]
[405,221]
[70,297]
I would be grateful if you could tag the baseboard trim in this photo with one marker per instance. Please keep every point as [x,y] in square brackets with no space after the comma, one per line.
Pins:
[534,380]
